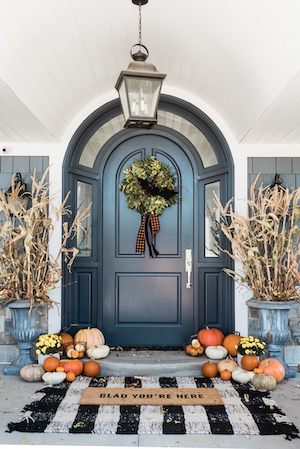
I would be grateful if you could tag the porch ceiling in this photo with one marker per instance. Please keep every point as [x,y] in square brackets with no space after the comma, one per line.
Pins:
[239,57]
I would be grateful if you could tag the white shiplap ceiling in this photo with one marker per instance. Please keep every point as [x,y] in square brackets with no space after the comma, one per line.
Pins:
[240,57]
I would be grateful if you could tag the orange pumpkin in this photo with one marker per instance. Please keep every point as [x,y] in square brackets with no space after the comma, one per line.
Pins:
[51,363]
[210,369]
[230,342]
[89,337]
[76,366]
[66,340]
[91,368]
[60,369]
[273,367]
[249,362]
[210,337]
[70,377]
[225,375]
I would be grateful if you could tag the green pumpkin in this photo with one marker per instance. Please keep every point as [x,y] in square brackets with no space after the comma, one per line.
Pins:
[263,382]
[32,373]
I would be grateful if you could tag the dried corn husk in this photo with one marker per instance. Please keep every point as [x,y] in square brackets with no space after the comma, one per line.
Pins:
[266,243]
[27,269]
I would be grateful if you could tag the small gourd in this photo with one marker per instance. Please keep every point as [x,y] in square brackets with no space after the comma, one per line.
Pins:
[242,376]
[98,352]
[72,353]
[216,352]
[226,375]
[263,382]
[80,347]
[196,343]
[32,373]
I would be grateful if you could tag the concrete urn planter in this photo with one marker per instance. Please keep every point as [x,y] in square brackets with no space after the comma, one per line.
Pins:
[24,331]
[268,320]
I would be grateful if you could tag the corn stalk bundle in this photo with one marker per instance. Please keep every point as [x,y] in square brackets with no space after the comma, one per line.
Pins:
[266,244]
[27,269]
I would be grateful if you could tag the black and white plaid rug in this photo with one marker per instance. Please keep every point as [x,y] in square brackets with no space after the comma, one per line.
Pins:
[245,411]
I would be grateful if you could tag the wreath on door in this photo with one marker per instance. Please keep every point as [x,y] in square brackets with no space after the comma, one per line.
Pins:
[149,187]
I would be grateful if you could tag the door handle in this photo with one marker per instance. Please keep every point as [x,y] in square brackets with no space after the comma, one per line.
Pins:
[188,267]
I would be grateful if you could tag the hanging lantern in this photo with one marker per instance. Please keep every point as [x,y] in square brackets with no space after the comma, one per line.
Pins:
[139,86]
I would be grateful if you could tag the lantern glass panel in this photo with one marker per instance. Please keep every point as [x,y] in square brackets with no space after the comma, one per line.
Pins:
[143,96]
[124,99]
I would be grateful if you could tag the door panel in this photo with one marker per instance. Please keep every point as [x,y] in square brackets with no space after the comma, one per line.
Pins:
[156,288]
[145,300]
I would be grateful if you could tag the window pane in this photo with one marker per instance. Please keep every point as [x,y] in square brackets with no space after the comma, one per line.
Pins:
[84,236]
[164,118]
[211,220]
[192,133]
[99,138]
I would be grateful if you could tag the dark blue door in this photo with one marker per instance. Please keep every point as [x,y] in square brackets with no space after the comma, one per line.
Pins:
[146,300]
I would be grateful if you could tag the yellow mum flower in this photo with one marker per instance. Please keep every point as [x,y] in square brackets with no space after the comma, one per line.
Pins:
[44,350]
[37,351]
[247,351]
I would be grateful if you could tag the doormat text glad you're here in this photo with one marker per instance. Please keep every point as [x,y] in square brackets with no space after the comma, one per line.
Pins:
[150,396]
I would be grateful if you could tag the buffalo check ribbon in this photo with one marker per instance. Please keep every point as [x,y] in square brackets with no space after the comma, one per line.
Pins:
[148,229]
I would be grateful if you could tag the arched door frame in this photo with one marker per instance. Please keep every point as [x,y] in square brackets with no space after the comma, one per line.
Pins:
[72,169]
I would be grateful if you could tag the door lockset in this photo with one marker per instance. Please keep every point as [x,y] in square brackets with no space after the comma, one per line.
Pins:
[188,267]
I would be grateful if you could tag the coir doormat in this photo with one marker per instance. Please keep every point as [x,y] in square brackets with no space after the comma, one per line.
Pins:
[56,409]
[150,396]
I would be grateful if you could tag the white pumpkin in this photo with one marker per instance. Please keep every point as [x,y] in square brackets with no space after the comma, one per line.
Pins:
[242,376]
[54,378]
[98,352]
[227,365]
[216,352]
[196,343]
[80,347]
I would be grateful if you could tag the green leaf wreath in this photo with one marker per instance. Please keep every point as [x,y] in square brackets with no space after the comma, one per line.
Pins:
[149,186]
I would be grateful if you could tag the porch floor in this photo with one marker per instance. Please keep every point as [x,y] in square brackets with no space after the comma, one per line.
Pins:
[15,393]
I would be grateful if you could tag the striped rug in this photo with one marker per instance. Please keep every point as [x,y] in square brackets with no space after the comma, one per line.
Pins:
[245,411]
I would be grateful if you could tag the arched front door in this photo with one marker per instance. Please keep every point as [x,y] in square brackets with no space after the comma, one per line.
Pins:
[146,300]
[135,299]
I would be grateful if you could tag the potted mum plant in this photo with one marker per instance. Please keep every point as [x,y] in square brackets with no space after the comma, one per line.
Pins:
[248,352]
[266,248]
[27,269]
[48,344]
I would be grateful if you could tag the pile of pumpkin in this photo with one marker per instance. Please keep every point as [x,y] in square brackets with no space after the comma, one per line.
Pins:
[263,375]
[89,342]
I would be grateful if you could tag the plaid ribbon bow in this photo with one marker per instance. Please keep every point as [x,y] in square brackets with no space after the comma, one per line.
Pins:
[148,223]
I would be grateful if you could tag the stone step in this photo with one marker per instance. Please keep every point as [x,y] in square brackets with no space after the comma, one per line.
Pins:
[151,363]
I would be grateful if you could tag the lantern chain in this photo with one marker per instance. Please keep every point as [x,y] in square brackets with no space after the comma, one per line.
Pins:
[140,24]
